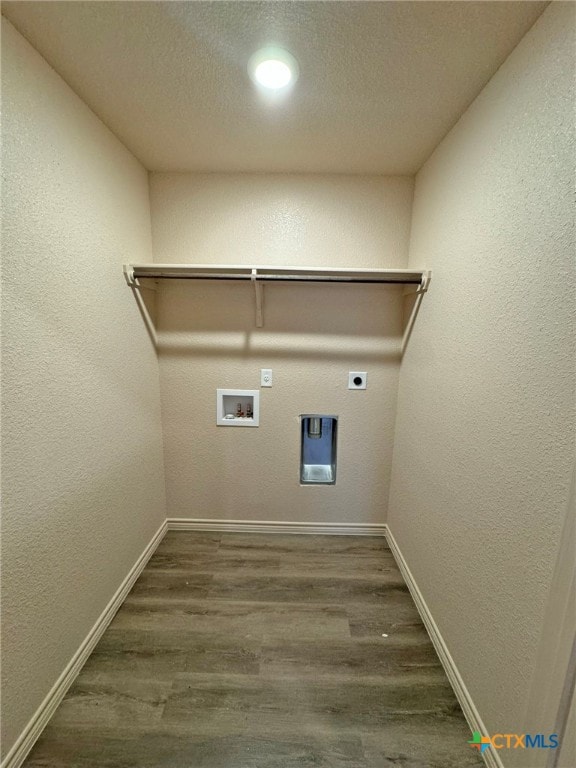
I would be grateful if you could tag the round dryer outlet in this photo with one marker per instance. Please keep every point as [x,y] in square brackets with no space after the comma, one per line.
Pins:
[357,380]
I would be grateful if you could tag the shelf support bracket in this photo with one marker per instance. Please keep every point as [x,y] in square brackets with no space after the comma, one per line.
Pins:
[129,275]
[425,282]
[419,293]
[259,294]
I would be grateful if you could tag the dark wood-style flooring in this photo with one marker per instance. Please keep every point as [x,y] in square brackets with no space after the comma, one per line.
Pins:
[262,651]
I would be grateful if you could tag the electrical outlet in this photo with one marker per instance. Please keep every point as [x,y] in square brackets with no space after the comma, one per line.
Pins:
[357,380]
[266,377]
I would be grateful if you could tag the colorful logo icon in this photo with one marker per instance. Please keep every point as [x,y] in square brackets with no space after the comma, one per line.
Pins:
[479,742]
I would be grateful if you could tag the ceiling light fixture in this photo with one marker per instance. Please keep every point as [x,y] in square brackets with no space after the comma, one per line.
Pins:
[273,69]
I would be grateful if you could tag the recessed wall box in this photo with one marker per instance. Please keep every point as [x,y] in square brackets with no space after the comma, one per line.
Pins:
[237,407]
[318,449]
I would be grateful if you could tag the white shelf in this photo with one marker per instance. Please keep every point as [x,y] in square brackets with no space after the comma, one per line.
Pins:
[273,274]
[268,274]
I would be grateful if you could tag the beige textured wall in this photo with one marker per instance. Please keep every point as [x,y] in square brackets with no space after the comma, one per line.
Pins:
[82,479]
[485,429]
[313,336]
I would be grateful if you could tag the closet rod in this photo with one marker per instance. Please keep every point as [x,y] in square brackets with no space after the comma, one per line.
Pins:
[285,278]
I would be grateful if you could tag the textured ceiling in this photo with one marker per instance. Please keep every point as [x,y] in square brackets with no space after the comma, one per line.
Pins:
[380,82]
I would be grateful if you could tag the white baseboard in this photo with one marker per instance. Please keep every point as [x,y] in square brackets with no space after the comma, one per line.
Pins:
[491,758]
[39,720]
[273,526]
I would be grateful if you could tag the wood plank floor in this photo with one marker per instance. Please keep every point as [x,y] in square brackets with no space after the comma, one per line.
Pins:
[261,651]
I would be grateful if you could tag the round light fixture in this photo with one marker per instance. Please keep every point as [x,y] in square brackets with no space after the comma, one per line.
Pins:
[273,69]
[272,73]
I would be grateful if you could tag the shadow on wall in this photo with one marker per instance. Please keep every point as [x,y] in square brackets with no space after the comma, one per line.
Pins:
[303,321]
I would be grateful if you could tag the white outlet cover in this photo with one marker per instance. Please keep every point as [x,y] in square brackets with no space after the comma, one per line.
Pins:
[357,380]
[265,377]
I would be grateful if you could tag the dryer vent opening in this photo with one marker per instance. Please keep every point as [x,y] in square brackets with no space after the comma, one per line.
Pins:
[318,449]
